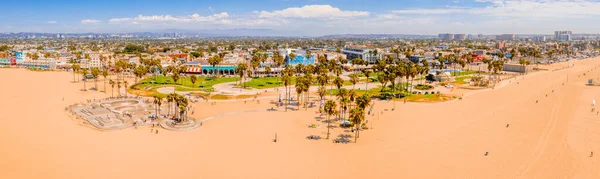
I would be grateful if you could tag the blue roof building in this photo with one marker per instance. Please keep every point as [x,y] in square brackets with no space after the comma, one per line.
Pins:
[300,60]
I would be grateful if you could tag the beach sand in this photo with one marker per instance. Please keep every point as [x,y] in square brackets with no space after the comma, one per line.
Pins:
[549,139]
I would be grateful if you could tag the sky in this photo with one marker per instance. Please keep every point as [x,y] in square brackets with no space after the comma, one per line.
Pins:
[303,17]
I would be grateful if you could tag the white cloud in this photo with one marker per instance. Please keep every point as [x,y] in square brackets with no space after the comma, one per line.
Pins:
[313,11]
[90,21]
[51,22]
[429,11]
[215,18]
[535,9]
[526,9]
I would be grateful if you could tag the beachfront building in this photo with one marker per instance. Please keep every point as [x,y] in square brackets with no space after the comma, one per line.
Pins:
[43,63]
[99,59]
[179,57]
[363,52]
[207,69]
[299,59]
[5,61]
[329,55]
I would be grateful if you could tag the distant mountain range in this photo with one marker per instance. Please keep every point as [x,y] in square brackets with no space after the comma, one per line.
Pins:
[228,33]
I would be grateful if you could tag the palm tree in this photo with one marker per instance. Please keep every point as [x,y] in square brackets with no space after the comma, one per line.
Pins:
[125,84]
[322,92]
[287,79]
[338,82]
[175,76]
[119,87]
[254,63]
[412,73]
[104,74]
[343,100]
[170,100]
[268,70]
[84,71]
[353,80]
[308,80]
[362,102]
[356,61]
[292,57]
[95,74]
[213,61]
[357,116]
[367,74]
[240,70]
[112,84]
[193,80]
[278,59]
[156,101]
[329,110]
[76,69]
[299,88]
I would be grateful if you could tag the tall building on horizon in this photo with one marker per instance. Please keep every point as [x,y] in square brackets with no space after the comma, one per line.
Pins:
[452,36]
[506,37]
[539,38]
[446,36]
[563,35]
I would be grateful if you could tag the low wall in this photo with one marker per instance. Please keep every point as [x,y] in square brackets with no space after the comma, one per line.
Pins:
[516,68]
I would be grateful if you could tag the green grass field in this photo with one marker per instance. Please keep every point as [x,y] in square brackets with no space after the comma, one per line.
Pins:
[183,84]
[272,82]
[461,79]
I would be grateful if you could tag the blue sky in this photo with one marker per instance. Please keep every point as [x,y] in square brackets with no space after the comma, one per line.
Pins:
[304,17]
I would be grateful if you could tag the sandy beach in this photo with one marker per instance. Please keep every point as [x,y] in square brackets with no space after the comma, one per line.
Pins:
[552,138]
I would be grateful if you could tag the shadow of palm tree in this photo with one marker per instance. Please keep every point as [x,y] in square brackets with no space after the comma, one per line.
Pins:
[342,138]
[313,137]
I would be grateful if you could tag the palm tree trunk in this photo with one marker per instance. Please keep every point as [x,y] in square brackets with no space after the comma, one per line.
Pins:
[286,98]
[328,122]
[356,134]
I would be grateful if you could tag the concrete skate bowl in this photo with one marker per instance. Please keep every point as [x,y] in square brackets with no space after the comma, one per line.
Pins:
[117,104]
[125,108]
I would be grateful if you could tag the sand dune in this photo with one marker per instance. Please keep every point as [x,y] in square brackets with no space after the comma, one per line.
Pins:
[549,139]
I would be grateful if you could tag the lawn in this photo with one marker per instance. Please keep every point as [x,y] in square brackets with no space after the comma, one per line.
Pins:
[183,84]
[461,79]
[272,82]
[372,91]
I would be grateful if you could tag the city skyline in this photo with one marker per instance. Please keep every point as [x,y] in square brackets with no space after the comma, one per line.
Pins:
[305,18]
